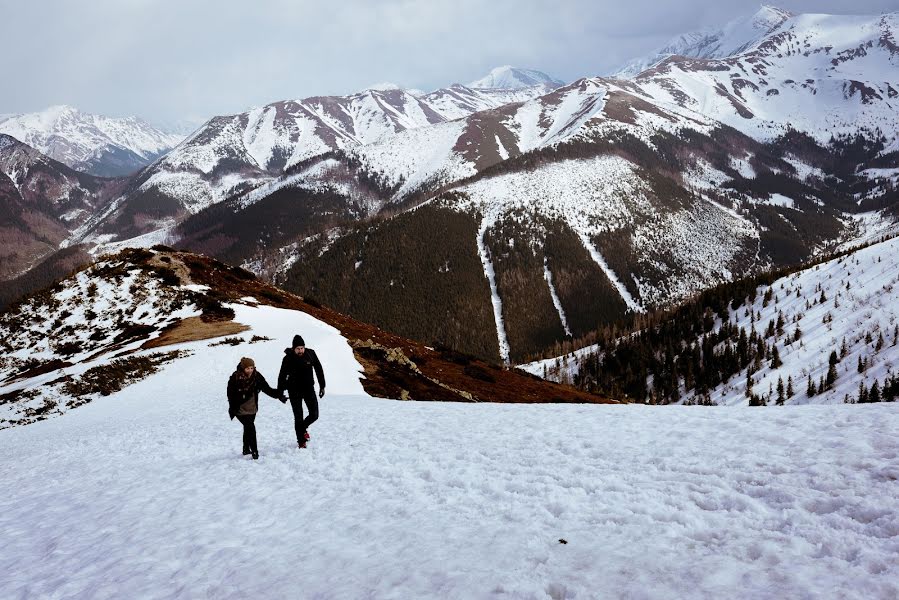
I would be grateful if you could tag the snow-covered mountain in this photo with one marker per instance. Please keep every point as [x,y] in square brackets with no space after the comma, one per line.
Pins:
[510,78]
[41,202]
[734,38]
[104,146]
[824,75]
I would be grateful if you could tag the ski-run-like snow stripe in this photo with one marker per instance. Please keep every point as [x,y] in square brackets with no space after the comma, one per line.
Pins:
[598,259]
[495,300]
[556,301]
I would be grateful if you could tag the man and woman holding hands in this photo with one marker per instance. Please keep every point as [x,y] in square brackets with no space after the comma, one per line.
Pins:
[295,377]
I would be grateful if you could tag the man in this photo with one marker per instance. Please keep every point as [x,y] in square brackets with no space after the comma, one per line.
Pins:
[296,378]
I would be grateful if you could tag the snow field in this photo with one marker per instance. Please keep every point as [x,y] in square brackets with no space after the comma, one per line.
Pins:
[144,494]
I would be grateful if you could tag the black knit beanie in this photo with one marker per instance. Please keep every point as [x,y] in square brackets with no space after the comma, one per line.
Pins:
[298,341]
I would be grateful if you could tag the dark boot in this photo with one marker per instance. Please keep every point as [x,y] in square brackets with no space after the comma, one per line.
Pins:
[246,450]
[255,455]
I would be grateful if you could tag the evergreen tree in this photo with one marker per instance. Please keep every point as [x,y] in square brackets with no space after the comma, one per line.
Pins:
[775,358]
[780,390]
[861,366]
[874,393]
[811,390]
[879,342]
[862,393]
[831,375]
[790,391]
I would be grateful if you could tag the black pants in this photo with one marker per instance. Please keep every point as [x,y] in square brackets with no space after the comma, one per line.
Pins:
[296,403]
[249,432]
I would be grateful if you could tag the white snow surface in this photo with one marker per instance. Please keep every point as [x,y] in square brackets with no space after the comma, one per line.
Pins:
[495,299]
[868,307]
[508,77]
[144,494]
[557,303]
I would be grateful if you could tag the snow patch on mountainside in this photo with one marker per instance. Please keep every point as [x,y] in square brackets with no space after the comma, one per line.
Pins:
[547,276]
[417,156]
[632,304]
[495,300]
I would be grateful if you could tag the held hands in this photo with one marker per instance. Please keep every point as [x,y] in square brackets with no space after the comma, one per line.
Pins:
[321,392]
[283,397]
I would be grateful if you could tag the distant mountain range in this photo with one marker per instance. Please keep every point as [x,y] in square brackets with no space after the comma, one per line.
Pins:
[505,221]
[103,146]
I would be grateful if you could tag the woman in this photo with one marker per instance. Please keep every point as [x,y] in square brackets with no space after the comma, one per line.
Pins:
[244,386]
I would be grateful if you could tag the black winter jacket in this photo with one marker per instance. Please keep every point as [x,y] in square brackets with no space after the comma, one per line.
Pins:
[296,371]
[258,384]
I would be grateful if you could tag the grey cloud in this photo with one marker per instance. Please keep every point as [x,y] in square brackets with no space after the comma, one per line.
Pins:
[178,59]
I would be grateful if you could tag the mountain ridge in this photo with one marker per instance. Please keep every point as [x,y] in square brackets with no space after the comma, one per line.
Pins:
[98,145]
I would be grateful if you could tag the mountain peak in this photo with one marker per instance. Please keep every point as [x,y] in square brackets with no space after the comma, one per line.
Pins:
[768,17]
[735,37]
[384,86]
[508,77]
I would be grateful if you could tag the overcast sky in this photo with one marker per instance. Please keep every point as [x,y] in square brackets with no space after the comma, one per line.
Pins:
[183,59]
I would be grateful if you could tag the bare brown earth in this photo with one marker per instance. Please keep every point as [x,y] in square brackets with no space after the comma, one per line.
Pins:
[395,367]
[193,329]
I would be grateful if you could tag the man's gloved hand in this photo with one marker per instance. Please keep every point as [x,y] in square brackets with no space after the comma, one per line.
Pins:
[321,392]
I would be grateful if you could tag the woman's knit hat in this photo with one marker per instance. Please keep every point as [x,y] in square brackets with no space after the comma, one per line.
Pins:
[246,362]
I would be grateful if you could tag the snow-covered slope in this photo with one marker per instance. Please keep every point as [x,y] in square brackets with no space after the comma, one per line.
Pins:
[407,499]
[735,37]
[509,78]
[848,306]
[458,101]
[665,201]
[94,144]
